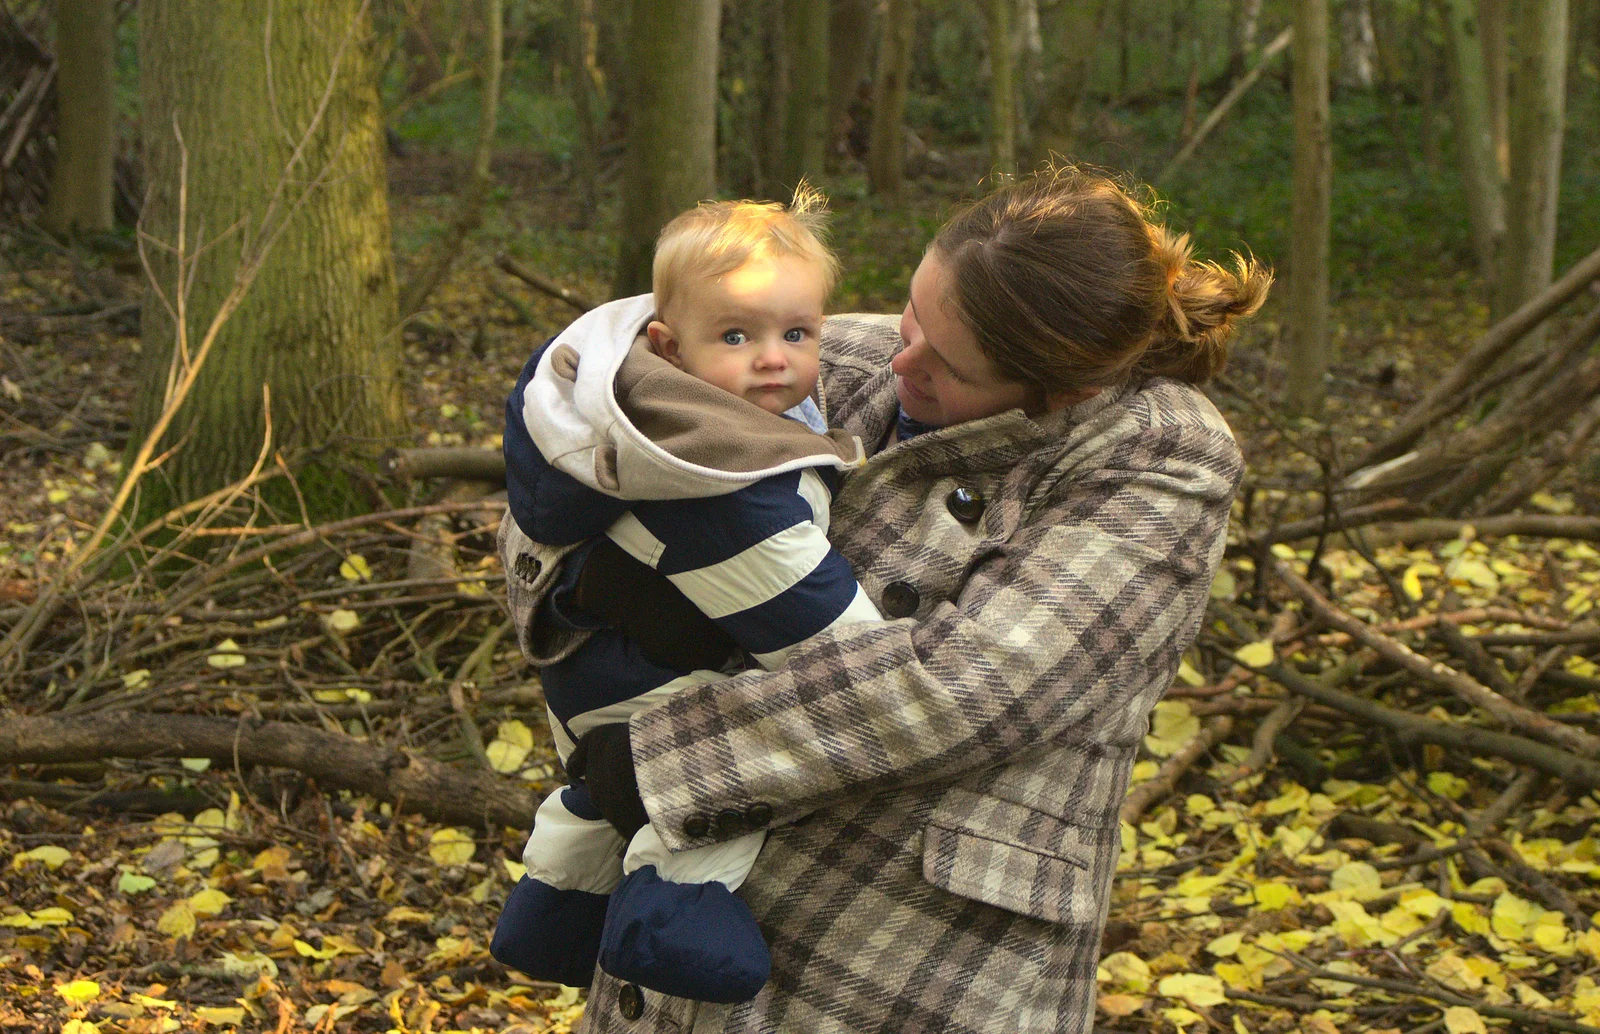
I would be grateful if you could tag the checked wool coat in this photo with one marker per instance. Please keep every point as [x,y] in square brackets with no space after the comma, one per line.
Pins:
[942,789]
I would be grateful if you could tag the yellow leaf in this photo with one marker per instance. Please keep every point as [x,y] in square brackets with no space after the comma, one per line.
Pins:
[1463,1019]
[76,1026]
[1227,944]
[1198,989]
[134,883]
[505,756]
[516,870]
[212,1014]
[450,846]
[1125,969]
[1189,676]
[51,856]
[136,679]
[1358,879]
[516,732]
[1118,1005]
[1224,586]
[1171,726]
[209,902]
[59,495]
[343,620]
[195,764]
[403,914]
[1447,784]
[355,569]
[79,991]
[177,921]
[1273,896]
[248,964]
[305,949]
[1255,655]
[226,655]
[153,1003]
[53,916]
[1452,971]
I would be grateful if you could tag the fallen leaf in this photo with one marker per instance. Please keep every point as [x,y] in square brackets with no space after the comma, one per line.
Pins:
[355,569]
[450,846]
[1463,1019]
[1256,655]
[50,855]
[79,991]
[177,921]
[1198,989]
[226,655]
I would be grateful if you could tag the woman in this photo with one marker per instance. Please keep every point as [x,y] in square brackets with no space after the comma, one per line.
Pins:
[1044,510]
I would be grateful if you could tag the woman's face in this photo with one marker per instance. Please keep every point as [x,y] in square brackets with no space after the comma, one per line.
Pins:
[941,375]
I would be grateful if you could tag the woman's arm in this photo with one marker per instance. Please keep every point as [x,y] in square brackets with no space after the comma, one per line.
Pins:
[1090,602]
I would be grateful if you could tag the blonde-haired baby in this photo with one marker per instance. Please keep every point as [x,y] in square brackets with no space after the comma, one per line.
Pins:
[669,477]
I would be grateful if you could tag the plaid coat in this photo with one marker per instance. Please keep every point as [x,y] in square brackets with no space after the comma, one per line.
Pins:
[942,790]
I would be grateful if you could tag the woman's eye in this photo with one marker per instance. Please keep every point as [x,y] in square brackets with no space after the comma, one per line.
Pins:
[794,335]
[734,337]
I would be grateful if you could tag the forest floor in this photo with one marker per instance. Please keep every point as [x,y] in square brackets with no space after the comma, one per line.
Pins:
[1329,889]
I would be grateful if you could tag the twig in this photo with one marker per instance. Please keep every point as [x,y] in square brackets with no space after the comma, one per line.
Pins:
[1162,783]
[540,282]
[1464,686]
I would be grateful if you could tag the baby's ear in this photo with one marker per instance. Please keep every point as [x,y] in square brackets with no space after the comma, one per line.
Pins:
[664,342]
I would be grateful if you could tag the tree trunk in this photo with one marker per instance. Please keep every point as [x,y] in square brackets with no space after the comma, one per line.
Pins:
[1307,340]
[1027,45]
[1536,132]
[1428,59]
[849,57]
[86,117]
[588,105]
[887,158]
[1002,91]
[1480,178]
[1494,21]
[1073,29]
[1246,29]
[805,37]
[672,125]
[318,323]
[1357,45]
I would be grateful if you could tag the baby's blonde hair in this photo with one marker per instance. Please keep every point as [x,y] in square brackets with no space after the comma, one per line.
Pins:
[717,237]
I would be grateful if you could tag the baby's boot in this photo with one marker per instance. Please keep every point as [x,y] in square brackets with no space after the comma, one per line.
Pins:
[691,940]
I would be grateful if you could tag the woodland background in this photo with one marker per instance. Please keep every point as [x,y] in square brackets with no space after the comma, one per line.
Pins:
[268,270]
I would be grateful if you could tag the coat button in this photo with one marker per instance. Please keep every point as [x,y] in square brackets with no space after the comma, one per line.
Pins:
[730,822]
[965,505]
[696,826]
[758,814]
[630,1002]
[900,599]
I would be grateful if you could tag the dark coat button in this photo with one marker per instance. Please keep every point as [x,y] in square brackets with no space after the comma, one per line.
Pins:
[696,826]
[730,822]
[965,505]
[630,1002]
[758,814]
[900,599]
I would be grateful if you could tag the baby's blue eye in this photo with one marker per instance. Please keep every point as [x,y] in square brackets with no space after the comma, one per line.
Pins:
[794,335]
[734,337]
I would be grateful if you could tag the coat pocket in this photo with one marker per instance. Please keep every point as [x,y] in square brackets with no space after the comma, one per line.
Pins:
[1018,859]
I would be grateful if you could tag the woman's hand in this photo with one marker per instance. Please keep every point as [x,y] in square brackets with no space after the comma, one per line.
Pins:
[603,759]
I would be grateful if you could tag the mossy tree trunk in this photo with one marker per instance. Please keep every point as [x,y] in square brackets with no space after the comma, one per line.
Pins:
[805,38]
[1307,339]
[1537,125]
[849,65]
[1003,89]
[318,324]
[886,160]
[86,117]
[1474,121]
[672,124]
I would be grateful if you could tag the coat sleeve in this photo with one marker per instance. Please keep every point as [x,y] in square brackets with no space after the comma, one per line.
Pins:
[1092,600]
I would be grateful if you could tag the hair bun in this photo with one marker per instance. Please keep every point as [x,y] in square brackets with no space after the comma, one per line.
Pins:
[1204,303]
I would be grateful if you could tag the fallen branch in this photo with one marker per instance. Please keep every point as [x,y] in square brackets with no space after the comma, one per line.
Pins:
[1439,674]
[1439,529]
[1444,397]
[1162,783]
[540,282]
[429,787]
[1344,517]
[465,462]
[1239,89]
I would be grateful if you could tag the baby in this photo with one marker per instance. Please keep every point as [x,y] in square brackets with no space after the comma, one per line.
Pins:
[666,447]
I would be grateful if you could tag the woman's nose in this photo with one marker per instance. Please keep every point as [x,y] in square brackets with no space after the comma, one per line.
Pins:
[906,361]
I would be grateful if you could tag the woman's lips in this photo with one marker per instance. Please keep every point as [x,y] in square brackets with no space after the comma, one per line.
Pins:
[911,389]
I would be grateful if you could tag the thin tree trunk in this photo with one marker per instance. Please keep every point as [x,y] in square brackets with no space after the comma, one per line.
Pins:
[1536,132]
[805,24]
[672,123]
[583,43]
[1480,177]
[849,57]
[1494,20]
[1028,47]
[1231,98]
[1074,32]
[1308,343]
[1002,90]
[1357,45]
[434,264]
[1124,43]
[774,96]
[86,117]
[887,158]
[1428,59]
[1247,22]
[317,325]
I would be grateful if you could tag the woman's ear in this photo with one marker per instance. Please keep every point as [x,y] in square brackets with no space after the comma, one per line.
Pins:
[664,342]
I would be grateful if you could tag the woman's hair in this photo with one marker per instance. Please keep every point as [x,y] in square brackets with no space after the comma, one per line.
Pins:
[1067,282]
[717,237]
